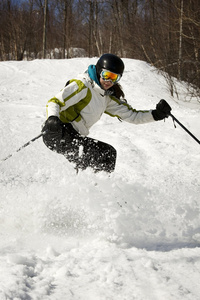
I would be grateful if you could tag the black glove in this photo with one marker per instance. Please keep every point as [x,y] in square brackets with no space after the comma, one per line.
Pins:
[162,110]
[53,123]
[53,127]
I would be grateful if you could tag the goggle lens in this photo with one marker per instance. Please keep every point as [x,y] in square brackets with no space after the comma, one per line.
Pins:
[107,75]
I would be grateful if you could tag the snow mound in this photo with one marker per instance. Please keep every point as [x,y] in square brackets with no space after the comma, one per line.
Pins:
[133,234]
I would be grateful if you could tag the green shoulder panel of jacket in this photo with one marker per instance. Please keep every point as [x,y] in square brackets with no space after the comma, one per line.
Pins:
[72,113]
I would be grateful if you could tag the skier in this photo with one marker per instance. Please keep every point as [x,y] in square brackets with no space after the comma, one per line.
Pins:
[72,112]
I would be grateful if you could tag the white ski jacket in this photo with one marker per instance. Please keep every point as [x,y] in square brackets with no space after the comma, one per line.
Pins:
[82,102]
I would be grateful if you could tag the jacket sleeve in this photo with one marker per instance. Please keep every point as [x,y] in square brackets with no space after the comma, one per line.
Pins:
[69,96]
[124,111]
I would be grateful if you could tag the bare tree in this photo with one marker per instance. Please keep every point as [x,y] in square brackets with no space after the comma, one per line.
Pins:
[180,41]
[44,41]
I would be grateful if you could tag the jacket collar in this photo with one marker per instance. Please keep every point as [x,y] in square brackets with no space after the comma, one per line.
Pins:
[93,74]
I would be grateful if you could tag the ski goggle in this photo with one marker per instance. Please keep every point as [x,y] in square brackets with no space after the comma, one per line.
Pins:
[110,76]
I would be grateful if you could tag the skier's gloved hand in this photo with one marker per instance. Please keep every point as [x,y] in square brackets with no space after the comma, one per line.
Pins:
[53,127]
[162,110]
[53,123]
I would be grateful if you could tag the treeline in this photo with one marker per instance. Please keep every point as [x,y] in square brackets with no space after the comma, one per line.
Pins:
[165,33]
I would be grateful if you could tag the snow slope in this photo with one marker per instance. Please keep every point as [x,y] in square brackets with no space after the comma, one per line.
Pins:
[134,234]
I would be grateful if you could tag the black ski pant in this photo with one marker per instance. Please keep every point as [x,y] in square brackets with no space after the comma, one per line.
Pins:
[83,151]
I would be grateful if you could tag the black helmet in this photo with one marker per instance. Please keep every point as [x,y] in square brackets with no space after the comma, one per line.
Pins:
[110,62]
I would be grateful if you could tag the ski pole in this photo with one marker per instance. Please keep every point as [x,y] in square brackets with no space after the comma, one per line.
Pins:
[25,145]
[177,121]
